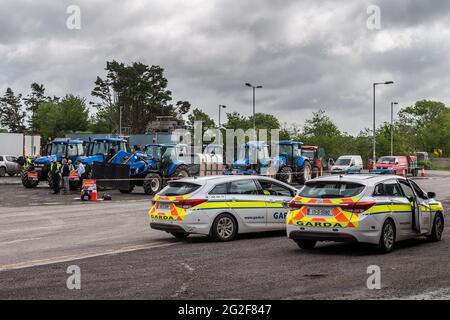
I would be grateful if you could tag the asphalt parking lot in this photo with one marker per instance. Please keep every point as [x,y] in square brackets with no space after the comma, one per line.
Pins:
[121,258]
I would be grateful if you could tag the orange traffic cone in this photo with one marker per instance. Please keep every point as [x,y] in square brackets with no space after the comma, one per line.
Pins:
[422,172]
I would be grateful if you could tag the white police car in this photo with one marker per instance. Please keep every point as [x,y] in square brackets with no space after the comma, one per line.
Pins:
[221,206]
[374,209]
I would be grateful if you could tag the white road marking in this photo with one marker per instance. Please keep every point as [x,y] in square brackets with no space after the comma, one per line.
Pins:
[19,240]
[60,259]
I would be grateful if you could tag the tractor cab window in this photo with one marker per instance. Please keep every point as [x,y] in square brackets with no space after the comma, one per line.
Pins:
[170,154]
[263,153]
[72,150]
[58,149]
[100,148]
[297,152]
[153,152]
[308,153]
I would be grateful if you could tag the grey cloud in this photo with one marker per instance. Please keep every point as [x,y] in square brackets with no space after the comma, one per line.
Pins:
[307,54]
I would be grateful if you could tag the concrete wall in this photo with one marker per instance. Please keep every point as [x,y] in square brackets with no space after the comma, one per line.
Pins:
[441,163]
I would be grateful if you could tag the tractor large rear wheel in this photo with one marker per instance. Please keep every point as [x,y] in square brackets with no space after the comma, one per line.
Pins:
[285,175]
[305,174]
[26,182]
[152,184]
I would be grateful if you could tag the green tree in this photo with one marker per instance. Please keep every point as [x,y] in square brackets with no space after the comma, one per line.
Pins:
[198,115]
[141,91]
[32,101]
[12,116]
[54,119]
[322,131]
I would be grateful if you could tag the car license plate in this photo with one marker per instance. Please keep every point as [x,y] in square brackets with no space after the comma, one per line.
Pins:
[320,212]
[163,205]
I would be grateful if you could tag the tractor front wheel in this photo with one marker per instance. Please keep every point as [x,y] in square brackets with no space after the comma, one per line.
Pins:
[152,184]
[26,182]
[181,172]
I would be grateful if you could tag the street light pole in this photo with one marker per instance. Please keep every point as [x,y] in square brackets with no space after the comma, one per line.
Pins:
[254,102]
[392,126]
[220,125]
[374,118]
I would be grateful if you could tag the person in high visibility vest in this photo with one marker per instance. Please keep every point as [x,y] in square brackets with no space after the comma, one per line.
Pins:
[55,171]
[27,162]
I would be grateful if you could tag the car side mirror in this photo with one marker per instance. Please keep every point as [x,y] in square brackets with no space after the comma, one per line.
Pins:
[431,195]
[396,163]
[411,199]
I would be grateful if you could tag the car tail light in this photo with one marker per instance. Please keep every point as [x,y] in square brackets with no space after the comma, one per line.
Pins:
[359,207]
[295,205]
[189,203]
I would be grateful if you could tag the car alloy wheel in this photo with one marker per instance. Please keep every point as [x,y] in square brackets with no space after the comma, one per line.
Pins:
[225,227]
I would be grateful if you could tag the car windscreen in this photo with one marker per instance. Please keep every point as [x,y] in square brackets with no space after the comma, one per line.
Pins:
[386,160]
[343,162]
[175,189]
[331,189]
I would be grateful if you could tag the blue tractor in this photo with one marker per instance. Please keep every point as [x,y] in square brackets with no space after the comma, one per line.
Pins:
[103,149]
[57,149]
[152,167]
[291,163]
[253,159]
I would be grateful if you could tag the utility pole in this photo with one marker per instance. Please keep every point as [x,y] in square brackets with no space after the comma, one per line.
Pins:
[392,126]
[374,120]
[254,102]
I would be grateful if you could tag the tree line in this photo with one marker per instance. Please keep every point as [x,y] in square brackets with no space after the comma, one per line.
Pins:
[140,93]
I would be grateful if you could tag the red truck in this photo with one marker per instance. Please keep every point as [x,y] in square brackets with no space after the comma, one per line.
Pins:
[402,165]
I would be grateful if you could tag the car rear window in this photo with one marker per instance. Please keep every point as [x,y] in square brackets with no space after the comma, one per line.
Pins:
[331,189]
[175,189]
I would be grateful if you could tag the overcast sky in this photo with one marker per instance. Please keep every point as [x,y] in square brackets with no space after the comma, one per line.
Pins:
[307,54]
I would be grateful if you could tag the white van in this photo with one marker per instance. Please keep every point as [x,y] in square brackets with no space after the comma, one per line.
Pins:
[344,163]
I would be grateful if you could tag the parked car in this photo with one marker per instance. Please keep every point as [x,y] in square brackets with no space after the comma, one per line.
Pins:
[221,206]
[344,163]
[9,165]
[374,209]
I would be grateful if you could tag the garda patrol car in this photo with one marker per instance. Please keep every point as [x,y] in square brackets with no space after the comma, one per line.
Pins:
[221,206]
[374,209]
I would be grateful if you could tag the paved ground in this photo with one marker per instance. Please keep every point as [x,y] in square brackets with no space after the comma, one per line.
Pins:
[120,257]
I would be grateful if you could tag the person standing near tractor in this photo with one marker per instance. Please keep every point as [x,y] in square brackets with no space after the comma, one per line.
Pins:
[65,172]
[55,172]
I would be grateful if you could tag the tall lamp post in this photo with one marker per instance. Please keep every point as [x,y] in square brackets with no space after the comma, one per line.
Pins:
[221,106]
[392,126]
[374,115]
[254,94]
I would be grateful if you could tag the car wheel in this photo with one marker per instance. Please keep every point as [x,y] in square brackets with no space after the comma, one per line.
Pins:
[285,175]
[306,244]
[387,238]
[180,235]
[224,228]
[2,172]
[438,229]
[152,184]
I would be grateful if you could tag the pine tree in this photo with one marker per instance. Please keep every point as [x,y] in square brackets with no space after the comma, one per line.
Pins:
[11,114]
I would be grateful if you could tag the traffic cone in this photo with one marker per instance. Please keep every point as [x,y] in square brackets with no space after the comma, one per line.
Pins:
[422,172]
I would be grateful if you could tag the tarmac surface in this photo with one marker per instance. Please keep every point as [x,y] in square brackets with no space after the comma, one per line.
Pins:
[120,257]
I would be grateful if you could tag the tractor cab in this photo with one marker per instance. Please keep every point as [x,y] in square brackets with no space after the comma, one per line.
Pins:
[253,158]
[103,149]
[289,152]
[316,156]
